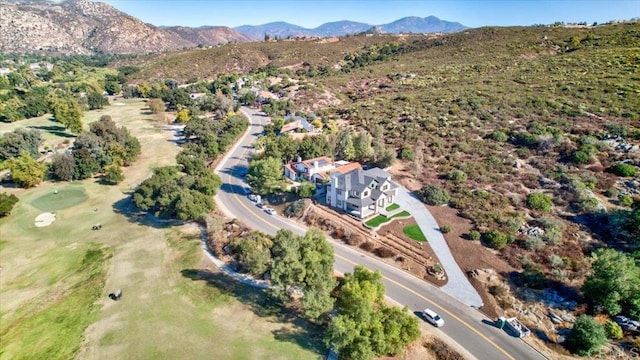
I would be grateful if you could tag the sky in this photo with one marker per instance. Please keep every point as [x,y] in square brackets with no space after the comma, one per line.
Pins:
[312,13]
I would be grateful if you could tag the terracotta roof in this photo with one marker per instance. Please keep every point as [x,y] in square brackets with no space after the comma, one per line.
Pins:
[322,161]
[290,126]
[290,168]
[346,168]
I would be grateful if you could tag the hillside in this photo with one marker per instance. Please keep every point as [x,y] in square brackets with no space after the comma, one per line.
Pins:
[86,27]
[490,115]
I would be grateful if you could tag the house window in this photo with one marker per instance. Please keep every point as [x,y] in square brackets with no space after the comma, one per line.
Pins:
[365,194]
[339,191]
[381,202]
[385,187]
[339,203]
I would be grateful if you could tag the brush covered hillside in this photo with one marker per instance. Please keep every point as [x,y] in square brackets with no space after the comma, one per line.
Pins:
[532,133]
[88,27]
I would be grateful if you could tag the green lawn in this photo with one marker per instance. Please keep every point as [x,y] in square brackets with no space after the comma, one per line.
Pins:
[377,221]
[403,213]
[59,199]
[414,232]
[392,207]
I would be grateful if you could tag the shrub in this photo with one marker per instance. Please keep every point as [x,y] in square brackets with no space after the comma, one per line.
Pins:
[475,235]
[499,136]
[367,246]
[624,170]
[626,200]
[445,229]
[497,290]
[457,176]
[295,209]
[384,252]
[434,195]
[306,190]
[539,201]
[533,243]
[495,239]
[613,330]
[586,337]
[612,193]
[6,203]
[355,239]
[407,153]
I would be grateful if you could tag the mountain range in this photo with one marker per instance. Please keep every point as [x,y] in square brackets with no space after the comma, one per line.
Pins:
[88,27]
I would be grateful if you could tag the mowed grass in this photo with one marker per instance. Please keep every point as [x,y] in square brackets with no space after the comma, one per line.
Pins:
[377,221]
[392,207]
[165,311]
[55,331]
[60,199]
[414,232]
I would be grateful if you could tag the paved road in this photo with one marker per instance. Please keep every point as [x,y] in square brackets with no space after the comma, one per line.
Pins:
[465,325]
[458,284]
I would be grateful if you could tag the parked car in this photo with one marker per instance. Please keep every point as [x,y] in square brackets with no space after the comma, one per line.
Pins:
[270,211]
[260,205]
[252,197]
[627,324]
[431,317]
[247,190]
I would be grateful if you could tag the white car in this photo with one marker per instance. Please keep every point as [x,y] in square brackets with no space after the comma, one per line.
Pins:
[252,197]
[433,318]
[270,211]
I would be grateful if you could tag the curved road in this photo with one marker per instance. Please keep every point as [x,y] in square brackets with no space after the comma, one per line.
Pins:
[465,325]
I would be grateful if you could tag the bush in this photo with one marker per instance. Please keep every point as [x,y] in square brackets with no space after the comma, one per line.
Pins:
[497,290]
[626,200]
[533,243]
[495,239]
[539,201]
[407,153]
[6,203]
[367,246]
[355,239]
[624,170]
[306,190]
[434,195]
[445,229]
[475,235]
[457,176]
[384,252]
[586,337]
[499,136]
[613,330]
[612,193]
[295,209]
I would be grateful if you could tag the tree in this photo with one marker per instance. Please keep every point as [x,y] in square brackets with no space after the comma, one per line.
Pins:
[113,174]
[248,98]
[253,252]
[287,270]
[366,326]
[313,146]
[156,106]
[296,208]
[614,286]
[26,171]
[192,205]
[317,258]
[265,175]
[586,336]
[539,201]
[306,190]
[344,149]
[96,100]
[63,166]
[67,111]
[362,146]
[434,195]
[182,116]
[6,203]
[13,143]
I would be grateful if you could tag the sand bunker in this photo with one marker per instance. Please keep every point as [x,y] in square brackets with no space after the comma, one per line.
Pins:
[45,219]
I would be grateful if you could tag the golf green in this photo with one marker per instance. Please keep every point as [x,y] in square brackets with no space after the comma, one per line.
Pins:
[60,199]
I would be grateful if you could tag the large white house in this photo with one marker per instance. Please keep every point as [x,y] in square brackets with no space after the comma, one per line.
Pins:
[317,170]
[361,193]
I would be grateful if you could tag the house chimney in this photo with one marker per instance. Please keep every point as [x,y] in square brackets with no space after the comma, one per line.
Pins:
[315,164]
[299,159]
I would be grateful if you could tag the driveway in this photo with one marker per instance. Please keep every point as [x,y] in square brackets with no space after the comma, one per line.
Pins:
[458,285]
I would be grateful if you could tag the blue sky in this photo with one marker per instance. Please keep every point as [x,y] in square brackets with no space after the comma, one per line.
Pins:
[312,13]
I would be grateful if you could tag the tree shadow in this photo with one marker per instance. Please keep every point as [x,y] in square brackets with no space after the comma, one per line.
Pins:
[57,130]
[134,215]
[294,330]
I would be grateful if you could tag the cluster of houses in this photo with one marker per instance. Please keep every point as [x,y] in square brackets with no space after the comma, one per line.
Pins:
[347,186]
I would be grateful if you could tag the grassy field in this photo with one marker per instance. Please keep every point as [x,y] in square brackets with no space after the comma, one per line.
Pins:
[414,232]
[55,279]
